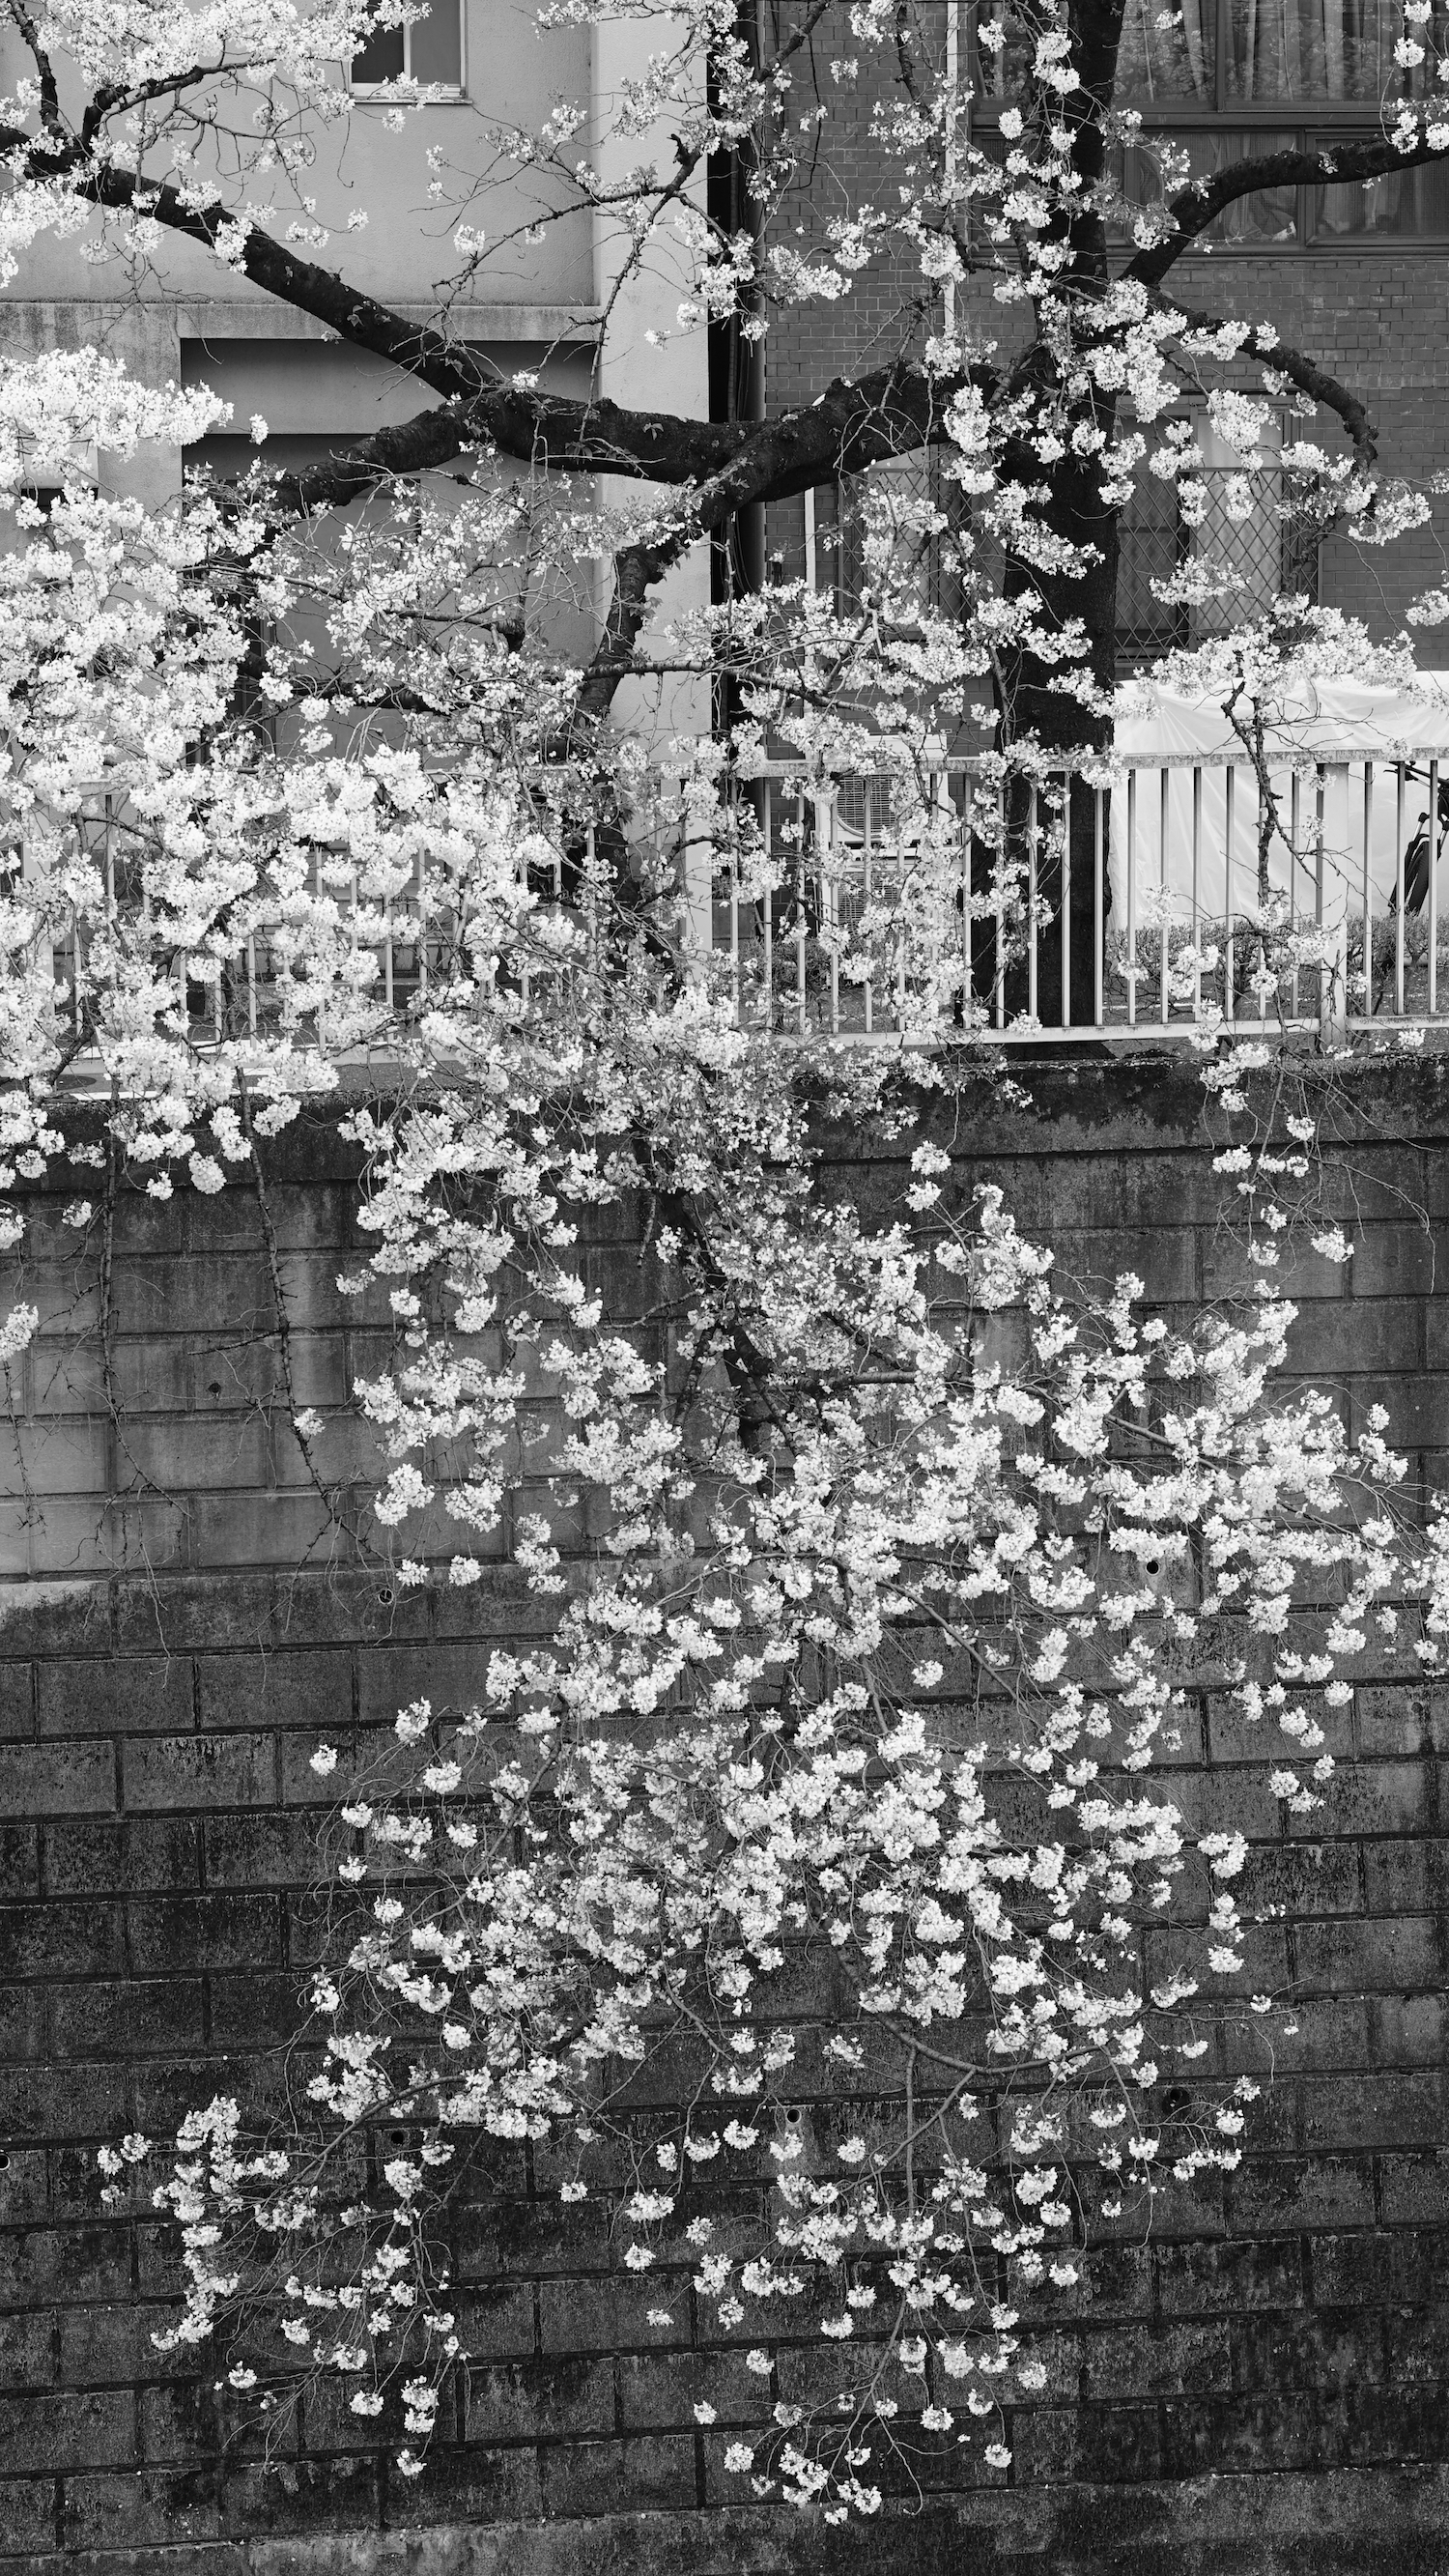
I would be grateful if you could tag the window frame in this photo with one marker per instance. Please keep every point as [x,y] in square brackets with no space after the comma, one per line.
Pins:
[448,95]
[1305,134]
[1308,121]
[1137,645]
[1306,240]
[1357,114]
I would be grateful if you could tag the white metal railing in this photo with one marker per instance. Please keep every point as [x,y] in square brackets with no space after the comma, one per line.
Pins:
[1125,910]
[1067,907]
[411,936]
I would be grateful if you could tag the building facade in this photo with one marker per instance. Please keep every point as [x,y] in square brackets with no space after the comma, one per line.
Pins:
[533,296]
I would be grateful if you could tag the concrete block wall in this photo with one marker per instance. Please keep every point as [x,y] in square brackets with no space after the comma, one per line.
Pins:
[1263,2378]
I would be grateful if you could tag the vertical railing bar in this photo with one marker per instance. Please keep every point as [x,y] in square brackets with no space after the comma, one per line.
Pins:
[1066,936]
[1132,898]
[735,912]
[769,904]
[830,917]
[1339,987]
[999,1001]
[1433,887]
[900,913]
[1196,934]
[1258,900]
[868,857]
[1165,932]
[1229,971]
[1099,921]
[1031,886]
[800,914]
[1295,829]
[112,917]
[1399,889]
[1368,889]
[1320,899]
[963,854]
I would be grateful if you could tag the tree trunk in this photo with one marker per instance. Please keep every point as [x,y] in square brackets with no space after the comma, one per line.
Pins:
[1033,708]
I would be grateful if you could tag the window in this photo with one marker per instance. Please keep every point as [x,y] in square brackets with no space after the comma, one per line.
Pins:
[1408,205]
[48,473]
[429,50]
[1224,53]
[905,497]
[1226,80]
[1253,221]
[1270,549]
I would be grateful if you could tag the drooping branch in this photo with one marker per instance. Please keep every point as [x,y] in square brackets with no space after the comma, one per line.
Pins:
[1305,373]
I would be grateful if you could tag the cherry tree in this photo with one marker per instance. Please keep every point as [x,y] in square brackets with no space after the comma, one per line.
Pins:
[1038,344]
[877,1569]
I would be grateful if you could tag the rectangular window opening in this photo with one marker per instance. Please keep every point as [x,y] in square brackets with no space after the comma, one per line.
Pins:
[908,494]
[1263,221]
[1406,205]
[428,49]
[1270,549]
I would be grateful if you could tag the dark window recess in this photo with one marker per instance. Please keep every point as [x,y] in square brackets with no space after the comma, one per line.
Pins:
[1226,54]
[1268,218]
[1231,80]
[1408,205]
[923,558]
[1273,553]
[429,49]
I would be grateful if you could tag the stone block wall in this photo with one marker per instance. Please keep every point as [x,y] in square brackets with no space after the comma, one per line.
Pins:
[1261,2385]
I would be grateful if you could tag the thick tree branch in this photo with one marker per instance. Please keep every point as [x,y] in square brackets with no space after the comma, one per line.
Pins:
[596,436]
[851,426]
[45,69]
[1199,204]
[636,570]
[430,439]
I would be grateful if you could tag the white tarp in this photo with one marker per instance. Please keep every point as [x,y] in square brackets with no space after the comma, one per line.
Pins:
[1344,728]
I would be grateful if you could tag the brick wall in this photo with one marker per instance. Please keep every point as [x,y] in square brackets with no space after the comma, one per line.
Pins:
[1264,2383]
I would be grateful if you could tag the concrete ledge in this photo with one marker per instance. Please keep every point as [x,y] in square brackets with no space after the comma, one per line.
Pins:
[1388,2522]
[242,318]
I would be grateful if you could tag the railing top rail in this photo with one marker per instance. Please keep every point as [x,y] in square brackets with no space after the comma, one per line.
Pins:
[1382,753]
[1344,755]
